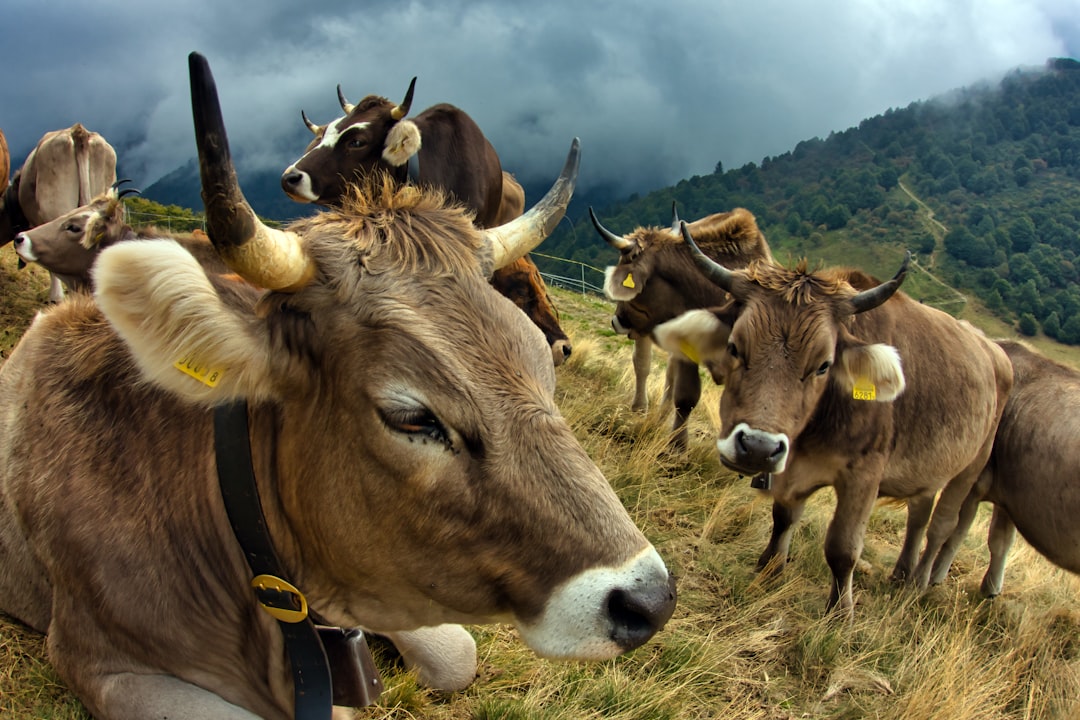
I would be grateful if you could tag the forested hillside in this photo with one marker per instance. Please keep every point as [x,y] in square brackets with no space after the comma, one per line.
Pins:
[983,185]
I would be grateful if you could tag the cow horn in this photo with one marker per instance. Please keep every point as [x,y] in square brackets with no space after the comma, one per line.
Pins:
[516,238]
[714,271]
[262,255]
[403,109]
[315,129]
[616,241]
[870,299]
[347,106]
[674,216]
[128,191]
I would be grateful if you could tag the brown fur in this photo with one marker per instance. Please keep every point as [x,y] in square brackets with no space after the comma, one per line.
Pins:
[1033,477]
[412,464]
[5,163]
[456,157]
[788,389]
[669,284]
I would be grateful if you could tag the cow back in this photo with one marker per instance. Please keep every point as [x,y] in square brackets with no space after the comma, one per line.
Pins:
[456,156]
[66,170]
[5,163]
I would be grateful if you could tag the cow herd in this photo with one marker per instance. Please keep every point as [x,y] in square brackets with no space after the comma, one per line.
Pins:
[410,470]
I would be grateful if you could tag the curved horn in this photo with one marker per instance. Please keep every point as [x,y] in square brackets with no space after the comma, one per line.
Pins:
[674,216]
[616,241]
[714,271]
[870,299]
[128,191]
[347,106]
[262,255]
[116,185]
[315,129]
[403,109]
[516,238]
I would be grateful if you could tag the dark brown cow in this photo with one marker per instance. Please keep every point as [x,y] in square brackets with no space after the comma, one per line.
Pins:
[411,464]
[831,379]
[441,147]
[5,163]
[656,280]
[1033,477]
[66,170]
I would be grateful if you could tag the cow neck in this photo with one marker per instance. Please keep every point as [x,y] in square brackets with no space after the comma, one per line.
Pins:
[307,646]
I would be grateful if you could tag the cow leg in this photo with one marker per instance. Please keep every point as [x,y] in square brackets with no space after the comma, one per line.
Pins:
[642,366]
[56,289]
[844,540]
[669,387]
[948,551]
[1000,539]
[944,522]
[919,510]
[137,696]
[784,519]
[687,391]
[444,657]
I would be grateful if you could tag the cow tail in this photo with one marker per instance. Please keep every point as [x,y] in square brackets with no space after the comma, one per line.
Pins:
[81,138]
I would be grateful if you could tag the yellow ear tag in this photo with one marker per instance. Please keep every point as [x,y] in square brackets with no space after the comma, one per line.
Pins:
[688,350]
[629,281]
[864,389]
[205,375]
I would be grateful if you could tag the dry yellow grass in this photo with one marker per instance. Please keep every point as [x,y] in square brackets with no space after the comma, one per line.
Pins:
[737,646]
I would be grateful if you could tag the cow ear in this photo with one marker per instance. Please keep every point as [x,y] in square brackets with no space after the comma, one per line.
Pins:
[182,335]
[871,372]
[402,142]
[698,336]
[621,283]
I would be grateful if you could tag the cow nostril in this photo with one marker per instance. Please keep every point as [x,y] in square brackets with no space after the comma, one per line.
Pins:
[781,448]
[638,615]
[566,350]
[740,442]
[292,178]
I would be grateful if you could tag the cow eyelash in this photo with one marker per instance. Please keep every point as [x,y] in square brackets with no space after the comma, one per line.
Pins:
[420,423]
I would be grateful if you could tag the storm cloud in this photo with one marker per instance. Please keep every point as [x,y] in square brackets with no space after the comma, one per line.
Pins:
[657,92]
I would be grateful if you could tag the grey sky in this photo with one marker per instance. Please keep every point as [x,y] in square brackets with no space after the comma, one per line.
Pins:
[656,91]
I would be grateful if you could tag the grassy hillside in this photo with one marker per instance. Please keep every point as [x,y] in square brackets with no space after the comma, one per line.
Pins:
[737,646]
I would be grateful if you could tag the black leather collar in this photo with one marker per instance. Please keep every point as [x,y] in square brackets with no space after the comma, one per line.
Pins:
[313,685]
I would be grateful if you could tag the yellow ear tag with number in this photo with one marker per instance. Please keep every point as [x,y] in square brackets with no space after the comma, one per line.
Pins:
[629,281]
[864,389]
[206,375]
[688,350]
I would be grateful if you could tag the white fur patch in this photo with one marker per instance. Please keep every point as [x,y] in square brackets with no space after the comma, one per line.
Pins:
[878,365]
[402,142]
[162,305]
[691,336]
[617,290]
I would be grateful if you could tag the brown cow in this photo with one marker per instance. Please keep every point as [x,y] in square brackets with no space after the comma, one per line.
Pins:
[66,170]
[832,379]
[441,147]
[656,280]
[5,163]
[412,466]
[1033,477]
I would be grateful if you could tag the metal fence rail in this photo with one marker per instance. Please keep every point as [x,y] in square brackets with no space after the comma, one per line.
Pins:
[579,277]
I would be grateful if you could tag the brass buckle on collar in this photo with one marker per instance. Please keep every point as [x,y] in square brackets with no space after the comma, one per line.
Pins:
[277,597]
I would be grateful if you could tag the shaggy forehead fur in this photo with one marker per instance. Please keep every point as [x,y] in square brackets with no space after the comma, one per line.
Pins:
[800,286]
[396,228]
[729,234]
[107,217]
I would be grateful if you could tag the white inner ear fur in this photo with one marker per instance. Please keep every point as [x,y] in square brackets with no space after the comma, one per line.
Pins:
[880,364]
[616,290]
[691,336]
[159,300]
[402,142]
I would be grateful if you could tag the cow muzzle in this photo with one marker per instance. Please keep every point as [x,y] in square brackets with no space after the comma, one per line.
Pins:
[297,185]
[603,612]
[752,452]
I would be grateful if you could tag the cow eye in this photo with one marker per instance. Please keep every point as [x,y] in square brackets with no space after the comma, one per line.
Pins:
[357,142]
[824,367]
[72,228]
[732,350]
[419,423]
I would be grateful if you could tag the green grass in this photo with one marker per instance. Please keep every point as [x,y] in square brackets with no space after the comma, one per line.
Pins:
[738,645]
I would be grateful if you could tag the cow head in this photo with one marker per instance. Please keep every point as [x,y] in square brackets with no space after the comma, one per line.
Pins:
[422,472]
[656,278]
[68,245]
[790,338]
[373,134]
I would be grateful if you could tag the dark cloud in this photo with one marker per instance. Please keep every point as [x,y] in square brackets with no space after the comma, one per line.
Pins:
[657,92]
